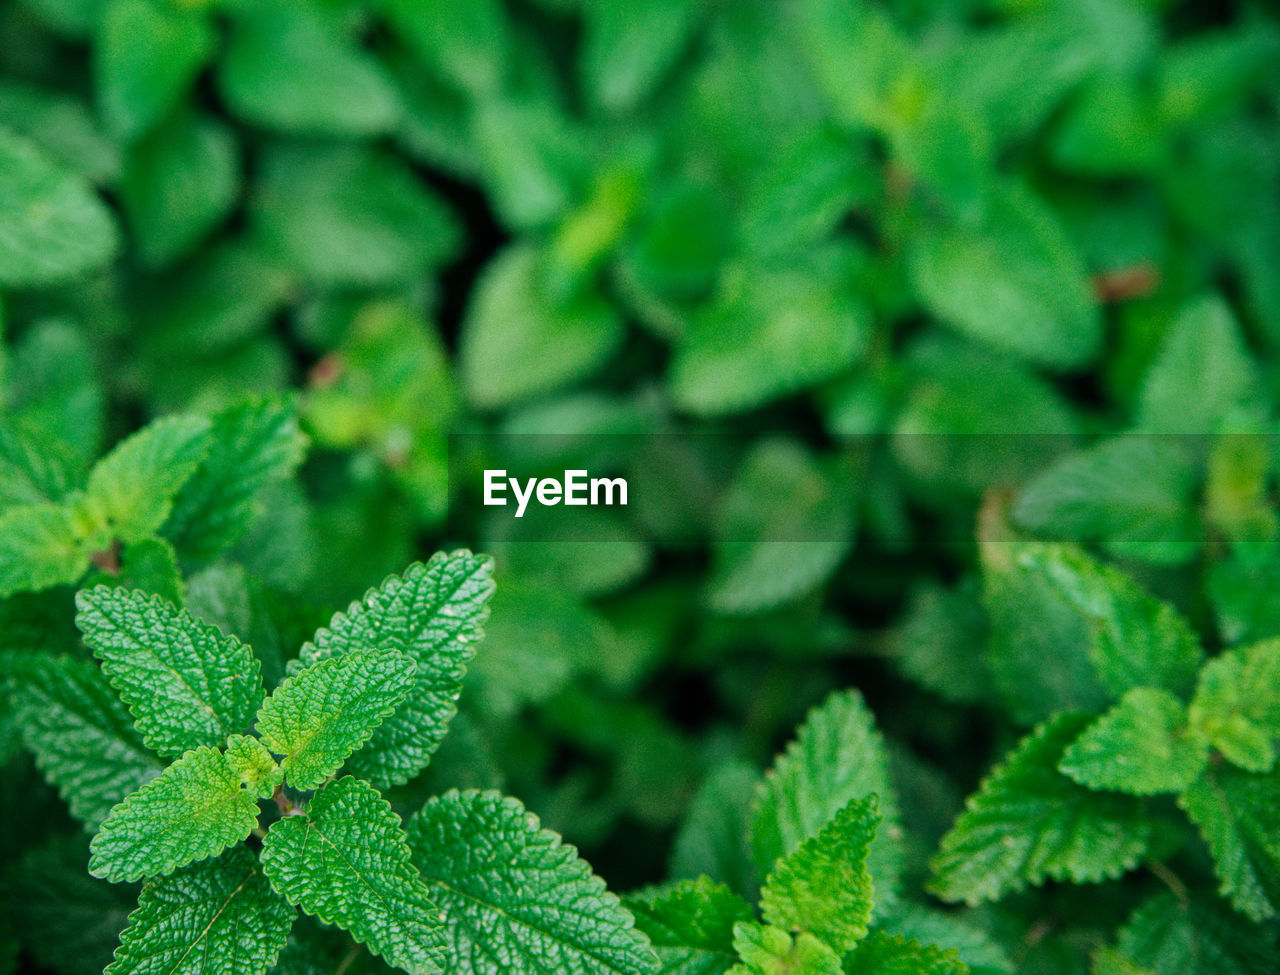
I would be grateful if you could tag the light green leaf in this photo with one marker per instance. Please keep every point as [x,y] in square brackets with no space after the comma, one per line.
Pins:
[891,954]
[975,947]
[690,925]
[63,126]
[1028,823]
[253,764]
[326,711]
[82,736]
[1173,936]
[131,490]
[32,470]
[467,41]
[1235,812]
[629,46]
[55,387]
[1109,961]
[195,809]
[1141,746]
[772,951]
[1015,282]
[857,55]
[433,614]
[1237,704]
[40,547]
[255,443]
[514,897]
[147,54]
[345,860]
[220,917]
[838,755]
[55,228]
[823,886]
[519,341]
[185,682]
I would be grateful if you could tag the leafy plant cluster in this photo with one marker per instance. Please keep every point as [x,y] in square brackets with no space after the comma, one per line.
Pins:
[962,319]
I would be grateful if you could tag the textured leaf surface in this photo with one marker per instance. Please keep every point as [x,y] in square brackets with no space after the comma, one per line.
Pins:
[32,470]
[823,886]
[1028,823]
[690,925]
[131,490]
[253,765]
[890,954]
[185,682]
[514,897]
[1237,704]
[195,809]
[768,950]
[1236,813]
[82,736]
[319,716]
[1201,935]
[976,948]
[220,917]
[346,862]
[837,755]
[1142,746]
[433,614]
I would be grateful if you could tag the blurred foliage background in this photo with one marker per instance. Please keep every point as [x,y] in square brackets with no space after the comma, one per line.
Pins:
[861,243]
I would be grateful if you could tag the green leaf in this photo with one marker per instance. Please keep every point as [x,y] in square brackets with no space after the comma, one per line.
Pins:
[185,682]
[345,860]
[1201,935]
[253,764]
[690,925]
[1202,371]
[195,809]
[326,711]
[55,387]
[32,470]
[1237,704]
[1028,823]
[146,56]
[890,954]
[1235,812]
[772,951]
[220,917]
[857,56]
[837,756]
[823,886]
[712,840]
[1142,746]
[40,547]
[514,897]
[467,41]
[290,66]
[975,947]
[131,490]
[1015,282]
[519,341]
[63,126]
[55,227]
[255,443]
[433,614]
[180,181]
[82,736]
[629,46]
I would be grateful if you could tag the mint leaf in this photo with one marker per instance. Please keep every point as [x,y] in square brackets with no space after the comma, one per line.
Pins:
[713,839]
[345,860]
[433,614]
[837,756]
[220,917]
[823,886]
[81,735]
[629,46]
[1142,746]
[195,809]
[1237,704]
[323,713]
[690,924]
[1172,936]
[40,547]
[766,950]
[890,954]
[1235,812]
[32,471]
[253,765]
[1028,823]
[184,681]
[514,897]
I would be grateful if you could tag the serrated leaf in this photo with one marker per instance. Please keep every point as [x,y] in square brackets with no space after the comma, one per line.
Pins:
[1235,812]
[254,443]
[768,950]
[1142,746]
[823,886]
[184,681]
[40,547]
[253,765]
[1237,704]
[690,925]
[890,954]
[32,470]
[131,490]
[345,860]
[55,227]
[220,917]
[195,809]
[433,614]
[1028,823]
[973,945]
[82,736]
[1202,935]
[323,713]
[514,897]
[838,755]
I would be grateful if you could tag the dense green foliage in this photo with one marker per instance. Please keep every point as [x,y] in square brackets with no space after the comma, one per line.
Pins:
[952,328]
